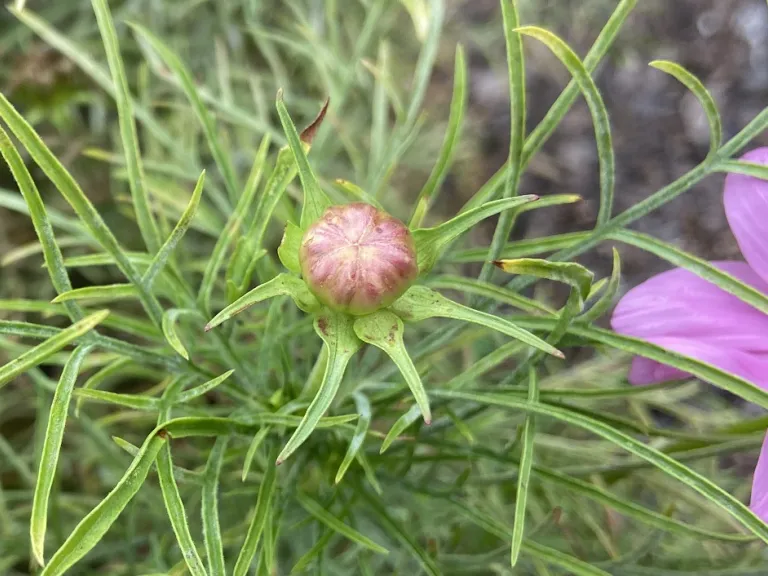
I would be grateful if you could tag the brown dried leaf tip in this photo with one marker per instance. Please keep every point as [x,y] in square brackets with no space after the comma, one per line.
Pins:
[308,134]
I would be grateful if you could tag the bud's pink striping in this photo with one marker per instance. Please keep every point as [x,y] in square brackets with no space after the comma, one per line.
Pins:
[357,258]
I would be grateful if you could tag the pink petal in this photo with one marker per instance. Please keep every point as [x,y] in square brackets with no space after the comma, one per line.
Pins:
[752,367]
[759,500]
[680,304]
[746,206]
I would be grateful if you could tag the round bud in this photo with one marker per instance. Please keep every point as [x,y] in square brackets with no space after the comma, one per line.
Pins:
[357,258]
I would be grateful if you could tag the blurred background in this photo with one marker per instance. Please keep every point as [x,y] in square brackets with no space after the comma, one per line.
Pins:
[243,50]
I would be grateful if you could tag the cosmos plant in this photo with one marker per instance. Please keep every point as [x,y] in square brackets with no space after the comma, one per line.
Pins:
[353,268]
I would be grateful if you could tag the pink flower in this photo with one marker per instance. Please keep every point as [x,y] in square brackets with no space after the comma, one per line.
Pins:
[679,311]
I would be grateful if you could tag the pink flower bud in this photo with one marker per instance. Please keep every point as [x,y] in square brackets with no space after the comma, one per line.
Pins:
[357,258]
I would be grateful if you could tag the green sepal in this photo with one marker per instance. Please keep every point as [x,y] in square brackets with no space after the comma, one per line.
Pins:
[384,329]
[341,343]
[288,252]
[420,303]
[280,285]
[430,242]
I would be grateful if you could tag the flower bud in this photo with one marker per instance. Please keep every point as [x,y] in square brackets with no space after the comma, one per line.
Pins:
[357,258]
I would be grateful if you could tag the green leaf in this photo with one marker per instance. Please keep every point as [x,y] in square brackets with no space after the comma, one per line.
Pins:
[398,532]
[339,338]
[572,564]
[260,516]
[91,529]
[517,115]
[135,401]
[54,261]
[488,290]
[106,293]
[605,302]
[458,105]
[521,248]
[596,108]
[114,367]
[242,262]
[203,388]
[661,461]
[165,251]
[696,265]
[97,73]
[632,510]
[400,425]
[337,525]
[315,200]
[235,227]
[289,248]
[176,514]
[74,195]
[204,426]
[179,473]
[42,351]
[524,473]
[281,285]
[743,167]
[205,118]
[363,407]
[702,94]
[384,330]
[130,140]
[430,242]
[574,275]
[214,547]
[634,346]
[54,433]
[257,441]
[420,303]
[170,317]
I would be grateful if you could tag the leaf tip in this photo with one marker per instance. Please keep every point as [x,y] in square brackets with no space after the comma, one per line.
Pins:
[279,96]
[558,354]
[308,134]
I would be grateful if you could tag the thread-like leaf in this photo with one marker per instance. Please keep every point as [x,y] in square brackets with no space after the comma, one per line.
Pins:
[596,108]
[165,251]
[661,461]
[399,426]
[430,242]
[236,225]
[170,317]
[488,290]
[363,407]
[567,272]
[315,200]
[257,441]
[135,401]
[203,388]
[384,330]
[74,195]
[39,353]
[702,95]
[54,433]
[521,248]
[214,546]
[337,525]
[458,105]
[144,217]
[281,285]
[259,520]
[54,261]
[605,302]
[339,338]
[89,532]
[696,265]
[524,472]
[106,293]
[205,118]
[420,303]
